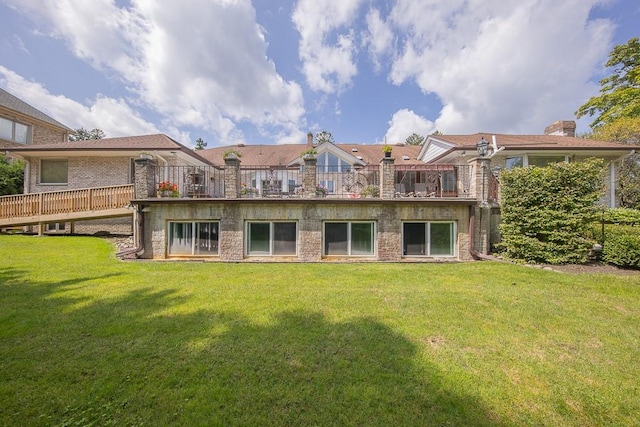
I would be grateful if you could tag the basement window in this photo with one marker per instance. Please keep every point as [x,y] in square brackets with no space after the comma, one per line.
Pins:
[428,239]
[193,238]
[272,238]
[349,238]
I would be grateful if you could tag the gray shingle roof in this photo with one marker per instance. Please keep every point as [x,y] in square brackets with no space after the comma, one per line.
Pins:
[11,102]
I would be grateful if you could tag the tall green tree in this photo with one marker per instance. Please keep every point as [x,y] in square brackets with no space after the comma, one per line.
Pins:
[620,92]
[11,176]
[414,139]
[324,136]
[200,144]
[82,134]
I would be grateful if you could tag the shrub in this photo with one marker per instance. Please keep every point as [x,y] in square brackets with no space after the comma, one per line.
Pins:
[622,246]
[547,211]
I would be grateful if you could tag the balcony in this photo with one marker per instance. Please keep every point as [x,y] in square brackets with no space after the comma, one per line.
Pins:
[288,182]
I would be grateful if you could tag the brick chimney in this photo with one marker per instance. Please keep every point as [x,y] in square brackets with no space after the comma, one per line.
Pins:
[310,140]
[561,128]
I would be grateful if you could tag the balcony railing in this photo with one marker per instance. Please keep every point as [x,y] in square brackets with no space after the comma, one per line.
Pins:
[419,181]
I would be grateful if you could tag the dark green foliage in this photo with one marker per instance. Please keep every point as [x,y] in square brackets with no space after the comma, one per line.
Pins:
[11,176]
[622,216]
[547,211]
[622,246]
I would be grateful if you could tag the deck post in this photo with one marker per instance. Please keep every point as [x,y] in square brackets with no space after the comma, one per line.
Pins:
[231,176]
[387,177]
[310,175]
[144,182]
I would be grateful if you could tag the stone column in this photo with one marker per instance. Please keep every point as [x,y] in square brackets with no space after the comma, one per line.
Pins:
[310,175]
[480,179]
[231,177]
[480,187]
[387,177]
[144,182]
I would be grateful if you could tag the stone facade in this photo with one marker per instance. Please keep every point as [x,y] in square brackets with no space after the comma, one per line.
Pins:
[309,215]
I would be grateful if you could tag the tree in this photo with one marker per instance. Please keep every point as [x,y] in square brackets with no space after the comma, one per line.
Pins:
[200,144]
[620,92]
[625,130]
[324,136]
[414,139]
[11,176]
[82,134]
[629,182]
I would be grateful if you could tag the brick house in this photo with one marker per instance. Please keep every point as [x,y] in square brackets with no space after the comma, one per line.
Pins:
[21,124]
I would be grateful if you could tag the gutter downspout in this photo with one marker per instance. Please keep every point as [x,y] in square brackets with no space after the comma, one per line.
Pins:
[138,248]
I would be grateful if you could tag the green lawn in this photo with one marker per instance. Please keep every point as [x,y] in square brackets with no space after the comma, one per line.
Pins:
[89,340]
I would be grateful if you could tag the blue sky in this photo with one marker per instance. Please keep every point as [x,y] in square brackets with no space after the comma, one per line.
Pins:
[269,71]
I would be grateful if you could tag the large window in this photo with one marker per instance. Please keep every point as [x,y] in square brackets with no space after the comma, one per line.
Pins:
[542,161]
[428,239]
[54,171]
[349,238]
[193,238]
[14,131]
[271,238]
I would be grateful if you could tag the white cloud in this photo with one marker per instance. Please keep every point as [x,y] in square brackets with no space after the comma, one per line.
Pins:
[378,37]
[114,116]
[327,67]
[499,66]
[199,63]
[404,123]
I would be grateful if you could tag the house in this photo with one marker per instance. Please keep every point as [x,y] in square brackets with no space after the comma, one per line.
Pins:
[440,201]
[297,202]
[21,124]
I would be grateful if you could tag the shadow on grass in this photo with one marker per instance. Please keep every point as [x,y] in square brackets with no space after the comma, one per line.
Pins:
[135,360]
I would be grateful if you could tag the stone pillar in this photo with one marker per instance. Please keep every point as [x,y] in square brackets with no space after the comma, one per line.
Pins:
[231,177]
[144,182]
[387,178]
[480,186]
[310,175]
[480,179]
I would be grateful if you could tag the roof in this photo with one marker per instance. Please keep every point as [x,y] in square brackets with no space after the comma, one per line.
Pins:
[15,104]
[156,142]
[285,154]
[467,142]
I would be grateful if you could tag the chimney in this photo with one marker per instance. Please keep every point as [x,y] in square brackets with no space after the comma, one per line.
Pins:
[309,140]
[561,128]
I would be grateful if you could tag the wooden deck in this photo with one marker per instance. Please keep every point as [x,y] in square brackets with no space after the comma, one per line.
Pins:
[63,206]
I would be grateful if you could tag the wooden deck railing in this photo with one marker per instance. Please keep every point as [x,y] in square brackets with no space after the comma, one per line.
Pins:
[65,202]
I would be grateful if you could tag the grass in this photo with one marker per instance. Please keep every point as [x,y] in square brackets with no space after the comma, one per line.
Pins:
[89,340]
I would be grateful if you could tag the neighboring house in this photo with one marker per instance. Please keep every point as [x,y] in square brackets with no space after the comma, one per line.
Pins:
[104,163]
[21,124]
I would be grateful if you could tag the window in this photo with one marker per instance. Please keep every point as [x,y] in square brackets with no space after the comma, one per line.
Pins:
[193,238]
[271,238]
[54,171]
[428,238]
[349,238]
[514,162]
[542,161]
[14,131]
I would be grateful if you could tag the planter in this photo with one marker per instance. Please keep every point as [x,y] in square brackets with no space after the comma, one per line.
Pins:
[387,154]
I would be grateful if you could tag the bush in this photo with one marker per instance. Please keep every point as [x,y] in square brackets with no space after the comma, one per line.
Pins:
[622,246]
[546,212]
[11,176]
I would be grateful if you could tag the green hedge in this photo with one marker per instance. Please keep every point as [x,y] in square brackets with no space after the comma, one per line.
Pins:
[622,246]
[546,212]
